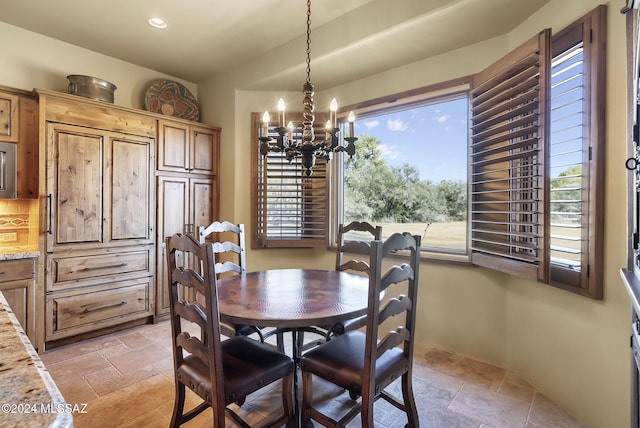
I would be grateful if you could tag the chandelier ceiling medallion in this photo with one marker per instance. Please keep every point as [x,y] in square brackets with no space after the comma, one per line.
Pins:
[308,147]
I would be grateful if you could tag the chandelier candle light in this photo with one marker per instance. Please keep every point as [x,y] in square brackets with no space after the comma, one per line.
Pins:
[307,148]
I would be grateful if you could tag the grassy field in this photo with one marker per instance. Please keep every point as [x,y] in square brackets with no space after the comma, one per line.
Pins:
[450,235]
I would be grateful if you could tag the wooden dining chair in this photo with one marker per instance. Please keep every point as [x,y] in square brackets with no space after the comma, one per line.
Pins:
[230,259]
[352,255]
[358,361]
[219,372]
[353,241]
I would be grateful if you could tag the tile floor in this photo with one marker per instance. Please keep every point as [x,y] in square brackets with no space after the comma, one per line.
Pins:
[126,379]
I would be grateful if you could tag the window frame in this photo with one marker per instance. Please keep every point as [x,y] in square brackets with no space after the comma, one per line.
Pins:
[441,91]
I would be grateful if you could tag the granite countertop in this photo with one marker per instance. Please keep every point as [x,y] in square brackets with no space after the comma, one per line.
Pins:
[18,254]
[28,395]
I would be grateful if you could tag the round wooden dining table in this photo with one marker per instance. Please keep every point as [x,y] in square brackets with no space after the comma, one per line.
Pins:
[292,298]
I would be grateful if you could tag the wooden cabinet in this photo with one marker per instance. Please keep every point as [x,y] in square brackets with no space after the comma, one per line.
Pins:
[19,125]
[183,204]
[108,207]
[99,216]
[187,148]
[98,186]
[186,187]
[9,105]
[17,283]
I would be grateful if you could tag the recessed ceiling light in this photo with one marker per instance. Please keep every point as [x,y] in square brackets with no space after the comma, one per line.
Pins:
[157,22]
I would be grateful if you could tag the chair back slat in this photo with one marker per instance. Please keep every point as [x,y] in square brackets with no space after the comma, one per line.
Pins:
[399,242]
[217,227]
[222,247]
[394,338]
[396,274]
[193,345]
[228,266]
[355,266]
[361,246]
[363,226]
[188,278]
[356,247]
[394,306]
[191,312]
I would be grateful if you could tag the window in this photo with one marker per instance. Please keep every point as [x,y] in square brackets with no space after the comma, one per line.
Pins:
[289,209]
[537,159]
[523,189]
[410,168]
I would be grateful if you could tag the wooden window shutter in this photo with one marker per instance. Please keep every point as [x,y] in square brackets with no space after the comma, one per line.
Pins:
[289,208]
[509,204]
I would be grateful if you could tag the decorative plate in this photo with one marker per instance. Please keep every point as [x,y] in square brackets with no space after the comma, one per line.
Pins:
[172,99]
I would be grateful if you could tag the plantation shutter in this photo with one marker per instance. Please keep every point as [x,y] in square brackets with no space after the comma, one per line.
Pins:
[508,134]
[290,209]
[576,155]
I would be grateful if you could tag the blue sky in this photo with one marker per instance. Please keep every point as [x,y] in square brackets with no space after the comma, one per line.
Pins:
[431,138]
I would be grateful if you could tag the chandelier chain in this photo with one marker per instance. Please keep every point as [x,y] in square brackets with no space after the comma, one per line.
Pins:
[308,40]
[306,146]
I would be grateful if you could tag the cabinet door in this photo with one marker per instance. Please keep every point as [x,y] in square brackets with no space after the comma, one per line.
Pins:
[173,215]
[173,147]
[19,295]
[9,105]
[28,156]
[130,198]
[204,145]
[74,183]
[17,283]
[203,200]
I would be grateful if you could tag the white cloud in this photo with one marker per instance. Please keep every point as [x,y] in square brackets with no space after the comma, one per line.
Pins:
[396,125]
[388,152]
[442,119]
[370,124]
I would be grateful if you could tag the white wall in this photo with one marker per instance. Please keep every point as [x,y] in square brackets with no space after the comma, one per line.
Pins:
[30,60]
[573,349]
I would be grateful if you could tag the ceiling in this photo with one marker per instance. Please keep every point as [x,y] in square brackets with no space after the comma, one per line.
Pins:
[204,37]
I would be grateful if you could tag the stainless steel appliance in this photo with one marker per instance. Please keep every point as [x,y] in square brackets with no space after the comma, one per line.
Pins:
[7,170]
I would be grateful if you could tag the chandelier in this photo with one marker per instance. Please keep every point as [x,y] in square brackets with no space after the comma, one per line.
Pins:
[308,147]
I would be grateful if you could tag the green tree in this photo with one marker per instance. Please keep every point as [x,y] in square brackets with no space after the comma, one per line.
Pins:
[379,192]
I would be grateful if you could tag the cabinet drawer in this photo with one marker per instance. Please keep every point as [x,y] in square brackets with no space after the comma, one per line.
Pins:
[86,267]
[75,313]
[11,270]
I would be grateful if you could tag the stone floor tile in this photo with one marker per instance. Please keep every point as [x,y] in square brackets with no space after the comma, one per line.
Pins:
[489,407]
[111,380]
[135,340]
[133,360]
[77,366]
